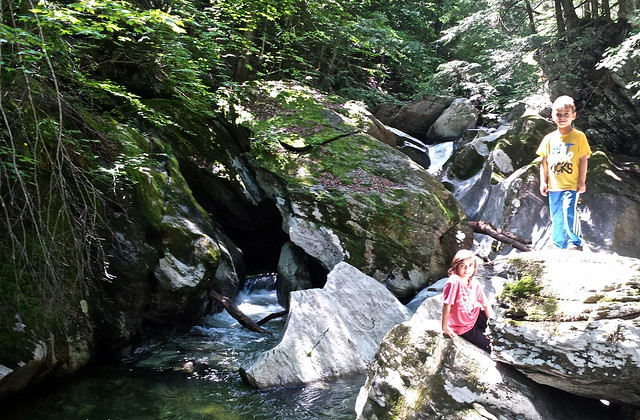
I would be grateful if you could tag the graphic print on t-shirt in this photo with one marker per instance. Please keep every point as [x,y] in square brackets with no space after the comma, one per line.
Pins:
[560,158]
[467,304]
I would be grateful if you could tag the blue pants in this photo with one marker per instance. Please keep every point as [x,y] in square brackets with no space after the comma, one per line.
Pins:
[565,221]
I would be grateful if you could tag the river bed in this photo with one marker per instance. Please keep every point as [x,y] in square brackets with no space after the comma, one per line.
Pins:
[194,376]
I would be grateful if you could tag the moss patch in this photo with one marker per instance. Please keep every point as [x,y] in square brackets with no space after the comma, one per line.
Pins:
[524,293]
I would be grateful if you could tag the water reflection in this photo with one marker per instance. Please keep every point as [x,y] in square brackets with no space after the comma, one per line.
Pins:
[194,376]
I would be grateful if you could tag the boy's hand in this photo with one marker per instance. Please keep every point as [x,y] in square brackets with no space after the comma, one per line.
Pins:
[544,188]
[582,187]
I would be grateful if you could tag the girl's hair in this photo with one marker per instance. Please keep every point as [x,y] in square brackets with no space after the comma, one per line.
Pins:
[460,256]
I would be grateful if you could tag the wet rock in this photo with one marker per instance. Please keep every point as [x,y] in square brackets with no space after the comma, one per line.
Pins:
[520,143]
[413,118]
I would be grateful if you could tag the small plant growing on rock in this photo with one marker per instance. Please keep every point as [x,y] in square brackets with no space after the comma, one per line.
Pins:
[524,294]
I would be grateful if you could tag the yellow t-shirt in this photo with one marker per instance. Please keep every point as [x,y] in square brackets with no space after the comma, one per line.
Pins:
[563,155]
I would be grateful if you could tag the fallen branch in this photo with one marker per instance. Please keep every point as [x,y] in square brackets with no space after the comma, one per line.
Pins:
[508,238]
[273,316]
[236,313]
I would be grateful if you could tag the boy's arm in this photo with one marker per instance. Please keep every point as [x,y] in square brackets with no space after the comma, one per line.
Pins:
[582,173]
[544,170]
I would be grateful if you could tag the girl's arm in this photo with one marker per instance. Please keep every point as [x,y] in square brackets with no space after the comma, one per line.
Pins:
[488,311]
[446,310]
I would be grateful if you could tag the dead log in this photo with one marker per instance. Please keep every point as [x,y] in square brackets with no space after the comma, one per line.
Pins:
[236,313]
[506,237]
[273,316]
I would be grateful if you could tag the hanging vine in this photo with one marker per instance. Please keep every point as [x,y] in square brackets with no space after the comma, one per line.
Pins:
[49,207]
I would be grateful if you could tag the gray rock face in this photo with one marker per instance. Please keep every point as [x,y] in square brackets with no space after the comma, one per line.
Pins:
[330,332]
[515,205]
[420,374]
[293,273]
[414,118]
[473,193]
[520,143]
[184,258]
[454,122]
[581,326]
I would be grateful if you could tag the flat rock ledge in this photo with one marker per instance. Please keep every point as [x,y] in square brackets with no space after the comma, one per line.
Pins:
[579,329]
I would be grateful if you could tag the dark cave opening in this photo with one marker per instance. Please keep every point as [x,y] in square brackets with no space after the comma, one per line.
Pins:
[255,229]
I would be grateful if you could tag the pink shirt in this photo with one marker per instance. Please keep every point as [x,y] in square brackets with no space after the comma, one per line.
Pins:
[466,303]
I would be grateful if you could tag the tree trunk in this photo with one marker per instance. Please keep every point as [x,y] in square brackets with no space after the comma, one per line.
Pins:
[627,9]
[562,28]
[532,24]
[569,13]
[606,9]
[236,313]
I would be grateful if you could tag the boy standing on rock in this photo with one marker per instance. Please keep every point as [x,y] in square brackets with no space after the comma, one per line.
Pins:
[563,173]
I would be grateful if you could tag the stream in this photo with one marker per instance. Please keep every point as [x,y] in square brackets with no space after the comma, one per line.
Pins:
[194,376]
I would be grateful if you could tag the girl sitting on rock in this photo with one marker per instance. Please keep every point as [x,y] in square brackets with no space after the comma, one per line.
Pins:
[465,307]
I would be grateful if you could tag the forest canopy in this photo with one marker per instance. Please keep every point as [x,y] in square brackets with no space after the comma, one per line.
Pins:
[365,50]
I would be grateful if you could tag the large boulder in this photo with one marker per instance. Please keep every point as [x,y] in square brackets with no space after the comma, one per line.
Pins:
[517,147]
[413,118]
[420,374]
[345,196]
[172,244]
[330,332]
[162,256]
[410,146]
[454,122]
[573,322]
[610,208]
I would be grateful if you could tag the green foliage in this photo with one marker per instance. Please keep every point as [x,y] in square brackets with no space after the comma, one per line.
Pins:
[524,288]
[487,61]
[617,58]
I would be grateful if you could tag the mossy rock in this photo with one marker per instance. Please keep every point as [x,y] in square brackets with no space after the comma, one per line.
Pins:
[392,219]
[525,293]
[522,140]
[466,162]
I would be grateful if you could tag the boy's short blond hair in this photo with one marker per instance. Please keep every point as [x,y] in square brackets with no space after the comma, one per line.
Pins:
[563,102]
